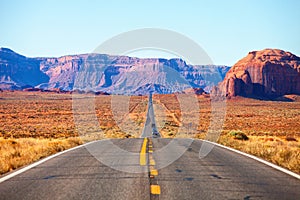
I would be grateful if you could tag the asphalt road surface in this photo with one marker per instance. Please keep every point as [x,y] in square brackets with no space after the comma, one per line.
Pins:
[222,174]
[150,128]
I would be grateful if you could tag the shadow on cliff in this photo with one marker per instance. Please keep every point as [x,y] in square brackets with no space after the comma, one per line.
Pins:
[260,92]
[268,98]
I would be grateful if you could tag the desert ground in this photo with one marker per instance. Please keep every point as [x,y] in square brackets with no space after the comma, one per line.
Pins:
[34,125]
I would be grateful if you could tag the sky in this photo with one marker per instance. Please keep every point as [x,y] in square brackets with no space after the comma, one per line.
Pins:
[226,30]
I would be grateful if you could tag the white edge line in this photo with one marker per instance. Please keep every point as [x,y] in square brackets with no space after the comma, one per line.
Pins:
[257,159]
[9,176]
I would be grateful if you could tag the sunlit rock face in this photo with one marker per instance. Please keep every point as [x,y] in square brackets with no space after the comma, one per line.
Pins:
[107,73]
[269,73]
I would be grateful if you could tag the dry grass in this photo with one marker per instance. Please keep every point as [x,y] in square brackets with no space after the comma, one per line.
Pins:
[34,125]
[274,149]
[273,127]
[45,121]
[22,151]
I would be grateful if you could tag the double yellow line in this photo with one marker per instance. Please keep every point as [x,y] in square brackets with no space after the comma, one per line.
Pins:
[143,157]
[154,188]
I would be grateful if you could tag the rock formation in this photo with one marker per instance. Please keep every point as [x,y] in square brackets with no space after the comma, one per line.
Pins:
[106,73]
[267,73]
[18,72]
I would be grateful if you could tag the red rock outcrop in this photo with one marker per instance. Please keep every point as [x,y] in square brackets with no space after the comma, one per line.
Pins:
[268,73]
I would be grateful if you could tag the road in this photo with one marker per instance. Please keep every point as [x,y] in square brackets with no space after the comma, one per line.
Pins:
[150,168]
[223,174]
[150,128]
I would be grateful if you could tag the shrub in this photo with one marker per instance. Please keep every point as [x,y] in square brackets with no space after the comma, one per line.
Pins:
[239,135]
[291,139]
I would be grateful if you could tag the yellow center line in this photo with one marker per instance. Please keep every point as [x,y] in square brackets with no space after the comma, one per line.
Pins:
[152,169]
[143,152]
[155,189]
[152,162]
[153,172]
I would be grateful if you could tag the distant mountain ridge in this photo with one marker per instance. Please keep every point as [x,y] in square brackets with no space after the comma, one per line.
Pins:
[106,73]
[17,71]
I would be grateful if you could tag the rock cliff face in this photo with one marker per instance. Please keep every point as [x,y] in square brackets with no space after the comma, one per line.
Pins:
[17,71]
[266,73]
[106,73]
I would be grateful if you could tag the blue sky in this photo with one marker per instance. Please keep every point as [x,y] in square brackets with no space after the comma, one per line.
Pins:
[226,30]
